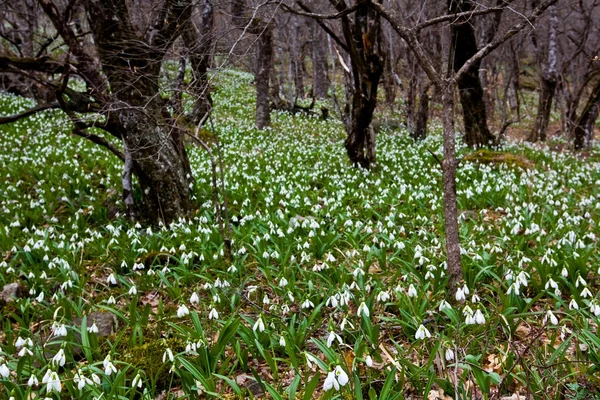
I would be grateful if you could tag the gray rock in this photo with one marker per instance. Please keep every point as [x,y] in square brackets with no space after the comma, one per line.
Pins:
[248,382]
[105,321]
[13,291]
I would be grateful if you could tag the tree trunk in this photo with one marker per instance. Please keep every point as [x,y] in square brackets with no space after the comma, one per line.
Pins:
[364,40]
[263,73]
[463,47]
[583,131]
[544,108]
[420,130]
[449,165]
[198,43]
[548,83]
[319,56]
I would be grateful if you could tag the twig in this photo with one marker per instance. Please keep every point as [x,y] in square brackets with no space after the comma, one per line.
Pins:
[435,156]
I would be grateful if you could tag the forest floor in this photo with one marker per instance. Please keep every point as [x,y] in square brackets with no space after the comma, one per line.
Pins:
[336,279]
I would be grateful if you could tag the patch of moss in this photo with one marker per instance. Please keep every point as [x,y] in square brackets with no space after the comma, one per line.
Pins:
[485,156]
[149,358]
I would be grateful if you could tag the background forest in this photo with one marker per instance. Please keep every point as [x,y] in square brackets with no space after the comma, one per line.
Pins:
[342,199]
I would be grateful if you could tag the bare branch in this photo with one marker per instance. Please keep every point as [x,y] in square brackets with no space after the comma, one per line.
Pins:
[493,45]
[27,113]
[323,16]
[452,17]
[99,140]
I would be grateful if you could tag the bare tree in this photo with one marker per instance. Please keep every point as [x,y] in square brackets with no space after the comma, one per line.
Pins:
[122,86]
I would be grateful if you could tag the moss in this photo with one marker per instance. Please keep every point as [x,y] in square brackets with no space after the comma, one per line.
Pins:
[149,358]
[485,156]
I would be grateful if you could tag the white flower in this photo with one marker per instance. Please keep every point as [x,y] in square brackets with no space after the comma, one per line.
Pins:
[369,361]
[341,375]
[573,305]
[331,382]
[479,318]
[412,292]
[332,337]
[109,367]
[422,333]
[307,304]
[80,380]
[194,298]
[53,383]
[59,329]
[4,371]
[449,354]
[33,381]
[383,296]
[445,305]
[59,358]
[168,354]
[585,293]
[281,341]
[182,311]
[111,300]
[283,282]
[259,324]
[553,319]
[132,291]
[363,310]
[137,381]
[111,279]
[460,295]
[93,328]
[213,314]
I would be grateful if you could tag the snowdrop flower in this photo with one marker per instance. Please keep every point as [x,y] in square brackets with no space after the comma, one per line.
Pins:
[109,367]
[33,381]
[111,280]
[332,337]
[93,328]
[332,301]
[111,300]
[573,305]
[40,297]
[168,355]
[213,314]
[412,292]
[445,305]
[281,341]
[137,381]
[341,376]
[132,291]
[564,273]
[449,354]
[363,310]
[283,282]
[4,371]
[259,324]
[383,296]
[369,361]
[422,333]
[331,382]
[80,380]
[52,381]
[59,358]
[343,324]
[460,295]
[585,293]
[59,330]
[182,311]
[553,319]
[479,318]
[307,304]
[194,299]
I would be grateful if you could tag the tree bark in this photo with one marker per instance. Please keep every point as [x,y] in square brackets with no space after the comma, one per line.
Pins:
[449,165]
[420,129]
[463,47]
[319,57]
[263,73]
[548,83]
[583,131]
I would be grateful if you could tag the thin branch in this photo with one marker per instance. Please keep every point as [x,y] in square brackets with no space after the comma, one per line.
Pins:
[452,17]
[325,27]
[323,16]
[484,51]
[99,140]
[27,113]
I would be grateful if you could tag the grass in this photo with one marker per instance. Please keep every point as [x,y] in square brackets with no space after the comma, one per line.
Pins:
[337,272]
